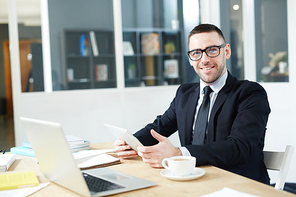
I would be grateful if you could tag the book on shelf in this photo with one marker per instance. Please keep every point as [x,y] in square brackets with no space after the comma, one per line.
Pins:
[6,160]
[171,69]
[84,45]
[18,180]
[93,41]
[150,43]
[70,74]
[127,48]
[101,72]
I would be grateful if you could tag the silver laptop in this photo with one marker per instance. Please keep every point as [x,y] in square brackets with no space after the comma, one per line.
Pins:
[58,165]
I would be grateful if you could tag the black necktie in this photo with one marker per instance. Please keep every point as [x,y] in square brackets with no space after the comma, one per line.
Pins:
[201,122]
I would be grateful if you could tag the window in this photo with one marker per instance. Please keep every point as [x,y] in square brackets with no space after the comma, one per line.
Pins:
[232,28]
[153,44]
[82,44]
[271,41]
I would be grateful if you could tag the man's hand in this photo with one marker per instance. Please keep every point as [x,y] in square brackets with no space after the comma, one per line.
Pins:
[124,150]
[153,155]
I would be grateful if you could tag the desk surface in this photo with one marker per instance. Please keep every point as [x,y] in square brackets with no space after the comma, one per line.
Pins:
[214,179]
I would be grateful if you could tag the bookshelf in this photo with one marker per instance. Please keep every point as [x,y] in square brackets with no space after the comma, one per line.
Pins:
[157,59]
[88,59]
[152,57]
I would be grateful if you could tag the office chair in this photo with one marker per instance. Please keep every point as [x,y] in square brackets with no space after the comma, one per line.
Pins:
[279,161]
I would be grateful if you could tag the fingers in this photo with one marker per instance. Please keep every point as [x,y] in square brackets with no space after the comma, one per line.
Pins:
[155,163]
[149,156]
[127,154]
[120,145]
[145,155]
[119,142]
[124,150]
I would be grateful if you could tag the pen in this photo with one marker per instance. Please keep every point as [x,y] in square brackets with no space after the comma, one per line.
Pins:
[4,152]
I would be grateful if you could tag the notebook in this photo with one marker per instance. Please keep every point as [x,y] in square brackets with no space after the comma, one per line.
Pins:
[58,165]
[6,160]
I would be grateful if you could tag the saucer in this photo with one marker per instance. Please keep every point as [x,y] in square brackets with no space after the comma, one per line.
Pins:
[198,172]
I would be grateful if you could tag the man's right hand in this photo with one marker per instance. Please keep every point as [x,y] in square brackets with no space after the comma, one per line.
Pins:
[124,150]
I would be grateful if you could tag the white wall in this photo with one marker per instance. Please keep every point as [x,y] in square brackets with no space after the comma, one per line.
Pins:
[281,124]
[82,113]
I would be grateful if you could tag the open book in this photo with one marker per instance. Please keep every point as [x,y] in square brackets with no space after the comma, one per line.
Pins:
[95,158]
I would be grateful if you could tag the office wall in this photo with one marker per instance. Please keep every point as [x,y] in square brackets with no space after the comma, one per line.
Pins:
[281,123]
[82,113]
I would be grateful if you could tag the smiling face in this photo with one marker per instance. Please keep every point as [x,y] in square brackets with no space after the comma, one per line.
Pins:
[209,69]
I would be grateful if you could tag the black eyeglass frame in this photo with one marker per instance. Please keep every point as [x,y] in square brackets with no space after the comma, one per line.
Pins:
[205,50]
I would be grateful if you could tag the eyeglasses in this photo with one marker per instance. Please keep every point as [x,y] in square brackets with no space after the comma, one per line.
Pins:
[212,51]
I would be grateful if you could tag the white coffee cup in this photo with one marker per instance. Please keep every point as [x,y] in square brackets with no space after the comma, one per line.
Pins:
[180,165]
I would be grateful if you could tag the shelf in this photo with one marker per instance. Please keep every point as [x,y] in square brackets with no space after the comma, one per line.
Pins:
[145,64]
[149,59]
[86,51]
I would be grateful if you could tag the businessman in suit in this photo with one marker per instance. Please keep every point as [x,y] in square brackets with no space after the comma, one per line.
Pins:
[237,115]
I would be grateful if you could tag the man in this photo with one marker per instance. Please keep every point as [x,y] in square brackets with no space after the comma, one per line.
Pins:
[237,117]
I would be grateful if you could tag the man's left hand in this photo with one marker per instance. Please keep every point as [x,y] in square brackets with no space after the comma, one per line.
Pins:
[153,155]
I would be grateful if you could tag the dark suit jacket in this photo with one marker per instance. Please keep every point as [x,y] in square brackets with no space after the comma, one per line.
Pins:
[236,128]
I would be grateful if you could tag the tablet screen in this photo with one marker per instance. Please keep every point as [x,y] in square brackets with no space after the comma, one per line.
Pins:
[123,134]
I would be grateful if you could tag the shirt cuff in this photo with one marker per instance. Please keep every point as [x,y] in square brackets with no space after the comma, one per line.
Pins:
[185,151]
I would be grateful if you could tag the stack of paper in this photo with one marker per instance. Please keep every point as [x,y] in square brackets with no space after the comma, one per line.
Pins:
[18,180]
[6,160]
[76,144]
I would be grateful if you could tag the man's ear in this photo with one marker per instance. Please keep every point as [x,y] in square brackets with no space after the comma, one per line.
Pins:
[227,51]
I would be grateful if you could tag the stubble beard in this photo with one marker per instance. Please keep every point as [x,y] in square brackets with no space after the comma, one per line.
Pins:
[216,75]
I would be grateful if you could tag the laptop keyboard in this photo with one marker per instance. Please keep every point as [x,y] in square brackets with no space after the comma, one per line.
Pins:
[96,184]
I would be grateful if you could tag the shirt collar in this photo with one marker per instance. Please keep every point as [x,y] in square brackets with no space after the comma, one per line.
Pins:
[217,86]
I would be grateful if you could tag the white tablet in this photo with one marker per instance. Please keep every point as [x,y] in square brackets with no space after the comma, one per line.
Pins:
[123,134]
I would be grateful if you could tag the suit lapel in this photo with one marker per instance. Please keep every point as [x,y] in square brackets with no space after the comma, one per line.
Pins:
[192,102]
[222,96]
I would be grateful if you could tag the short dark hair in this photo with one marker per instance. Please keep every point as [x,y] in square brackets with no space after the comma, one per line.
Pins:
[202,28]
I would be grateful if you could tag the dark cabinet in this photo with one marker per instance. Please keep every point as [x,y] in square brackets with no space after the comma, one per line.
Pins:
[89,59]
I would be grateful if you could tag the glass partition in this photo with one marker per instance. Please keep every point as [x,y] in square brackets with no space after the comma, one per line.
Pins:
[30,45]
[82,51]
[82,44]
[232,28]
[271,41]
[152,42]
